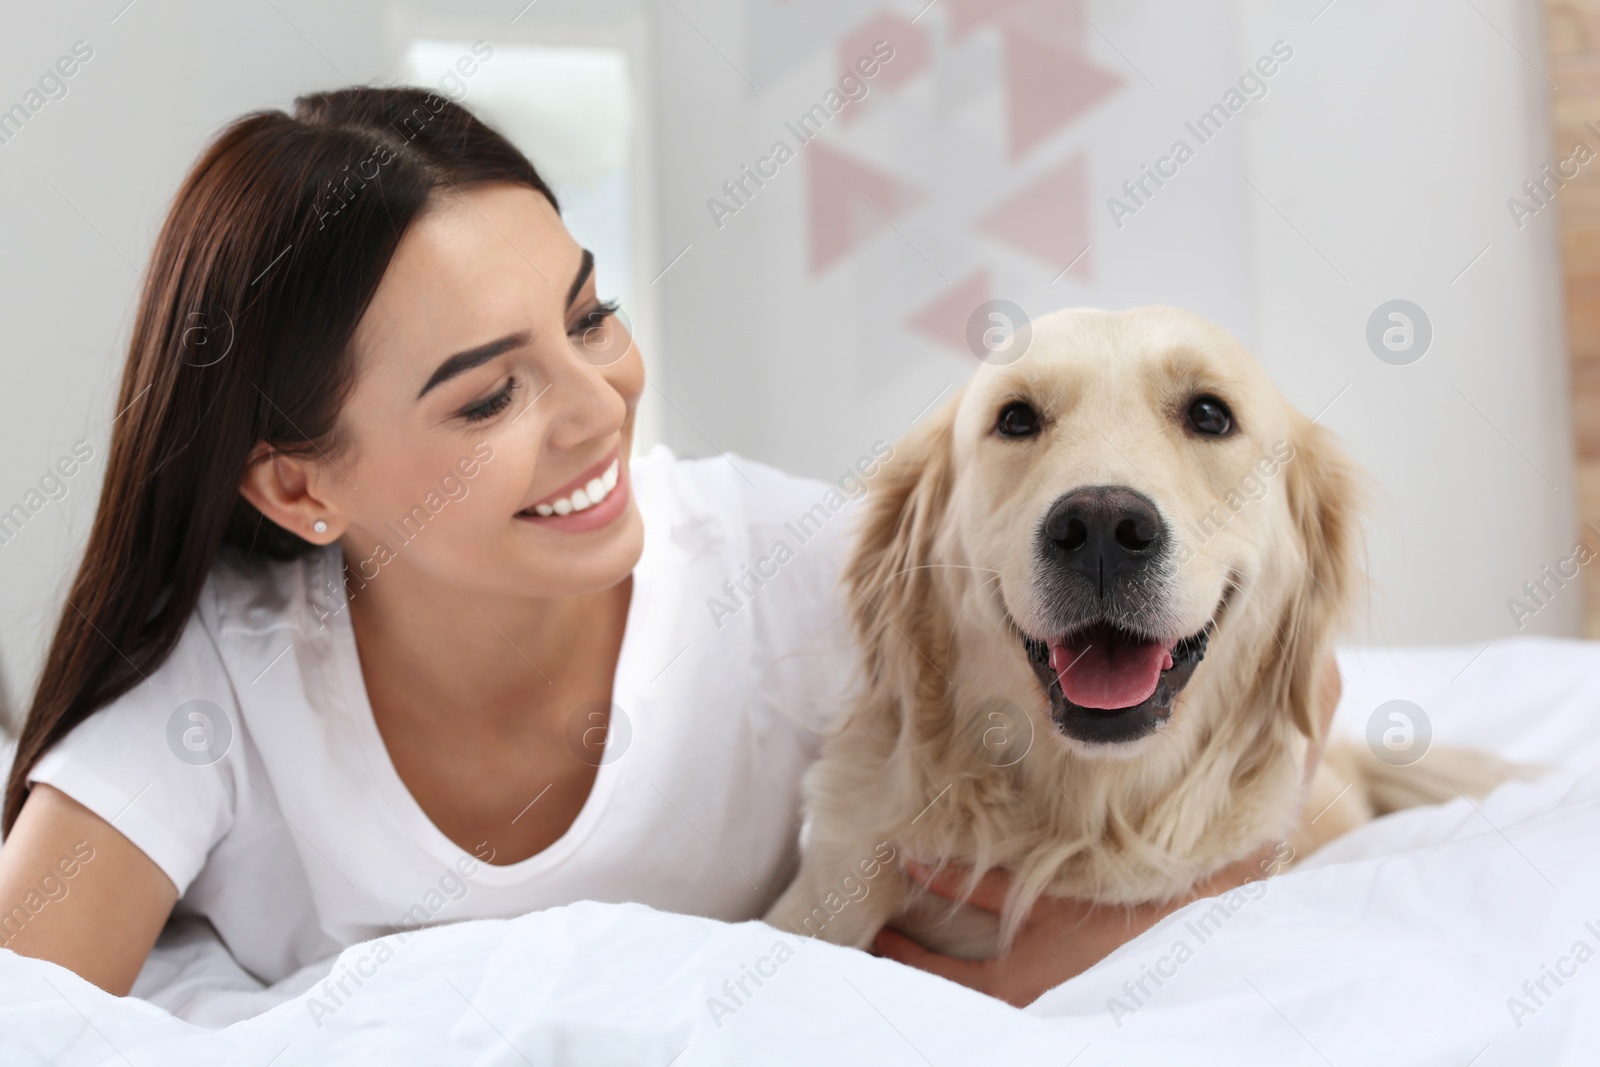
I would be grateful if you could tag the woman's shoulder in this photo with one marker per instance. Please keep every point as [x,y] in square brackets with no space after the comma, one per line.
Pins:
[768,551]
[169,758]
[752,505]
[163,761]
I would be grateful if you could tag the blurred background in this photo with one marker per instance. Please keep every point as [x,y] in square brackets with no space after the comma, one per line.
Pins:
[1368,194]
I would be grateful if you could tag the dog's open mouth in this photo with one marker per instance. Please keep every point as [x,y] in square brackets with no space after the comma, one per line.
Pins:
[1108,684]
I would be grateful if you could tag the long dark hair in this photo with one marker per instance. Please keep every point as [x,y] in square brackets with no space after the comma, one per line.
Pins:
[273,248]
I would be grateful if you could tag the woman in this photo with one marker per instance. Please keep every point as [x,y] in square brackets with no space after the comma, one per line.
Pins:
[378,625]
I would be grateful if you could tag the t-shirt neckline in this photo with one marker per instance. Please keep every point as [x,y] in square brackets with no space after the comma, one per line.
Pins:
[398,796]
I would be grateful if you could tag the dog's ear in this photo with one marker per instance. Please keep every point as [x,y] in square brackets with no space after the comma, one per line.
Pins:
[893,591]
[1324,490]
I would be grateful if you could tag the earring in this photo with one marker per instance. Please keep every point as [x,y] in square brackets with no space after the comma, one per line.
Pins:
[320,526]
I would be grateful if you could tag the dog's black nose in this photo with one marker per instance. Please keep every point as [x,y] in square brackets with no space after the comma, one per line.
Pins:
[1107,533]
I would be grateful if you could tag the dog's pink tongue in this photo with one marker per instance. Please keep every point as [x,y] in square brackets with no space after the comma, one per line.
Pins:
[1104,669]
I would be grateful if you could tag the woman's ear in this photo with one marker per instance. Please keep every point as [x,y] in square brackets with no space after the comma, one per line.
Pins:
[284,488]
[1325,499]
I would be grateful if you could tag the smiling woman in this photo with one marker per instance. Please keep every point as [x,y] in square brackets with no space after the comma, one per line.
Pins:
[447,328]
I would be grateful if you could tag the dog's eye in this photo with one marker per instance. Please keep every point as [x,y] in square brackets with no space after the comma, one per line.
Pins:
[1210,416]
[1017,420]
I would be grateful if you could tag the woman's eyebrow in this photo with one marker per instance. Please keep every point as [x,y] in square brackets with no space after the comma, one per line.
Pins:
[462,362]
[585,269]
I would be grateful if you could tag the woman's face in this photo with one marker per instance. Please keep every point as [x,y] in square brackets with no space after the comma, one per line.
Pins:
[490,425]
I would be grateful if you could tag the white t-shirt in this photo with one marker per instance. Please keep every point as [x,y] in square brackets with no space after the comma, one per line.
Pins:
[250,769]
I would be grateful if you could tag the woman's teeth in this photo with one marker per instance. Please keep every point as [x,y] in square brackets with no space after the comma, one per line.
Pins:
[583,499]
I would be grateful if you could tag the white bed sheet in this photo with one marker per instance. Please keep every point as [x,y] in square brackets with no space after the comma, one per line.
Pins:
[1406,942]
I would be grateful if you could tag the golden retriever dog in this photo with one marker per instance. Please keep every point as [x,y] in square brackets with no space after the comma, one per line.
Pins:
[1094,595]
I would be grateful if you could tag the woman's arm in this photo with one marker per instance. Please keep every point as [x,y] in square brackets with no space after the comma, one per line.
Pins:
[76,892]
[1061,938]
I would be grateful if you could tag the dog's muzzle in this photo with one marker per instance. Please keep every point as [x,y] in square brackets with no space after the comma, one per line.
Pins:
[1104,568]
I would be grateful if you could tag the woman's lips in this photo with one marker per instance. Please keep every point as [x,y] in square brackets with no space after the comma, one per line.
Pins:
[588,502]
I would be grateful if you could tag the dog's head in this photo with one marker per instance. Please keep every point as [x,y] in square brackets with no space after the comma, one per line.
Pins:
[1130,507]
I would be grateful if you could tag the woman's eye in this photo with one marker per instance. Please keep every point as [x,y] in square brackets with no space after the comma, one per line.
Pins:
[1210,416]
[492,406]
[590,327]
[1017,420]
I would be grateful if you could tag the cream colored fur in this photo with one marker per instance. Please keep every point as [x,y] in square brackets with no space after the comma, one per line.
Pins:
[947,551]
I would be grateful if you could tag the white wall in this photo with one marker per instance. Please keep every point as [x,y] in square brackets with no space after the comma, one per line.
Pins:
[1389,144]
[1392,146]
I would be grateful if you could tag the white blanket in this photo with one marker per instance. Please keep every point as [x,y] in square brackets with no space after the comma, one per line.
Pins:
[1462,934]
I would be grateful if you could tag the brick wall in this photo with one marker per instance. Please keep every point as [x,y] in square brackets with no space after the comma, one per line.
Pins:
[1573,30]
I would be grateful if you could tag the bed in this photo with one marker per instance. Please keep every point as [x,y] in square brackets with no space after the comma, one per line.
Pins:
[1463,934]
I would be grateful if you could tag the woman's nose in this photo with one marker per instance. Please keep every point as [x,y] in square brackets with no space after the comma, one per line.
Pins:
[585,402]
